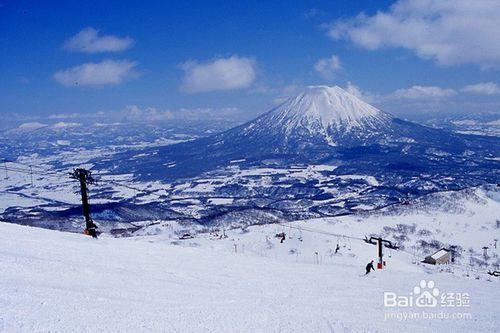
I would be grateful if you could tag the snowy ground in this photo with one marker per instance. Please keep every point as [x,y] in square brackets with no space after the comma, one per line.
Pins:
[247,282]
[21,190]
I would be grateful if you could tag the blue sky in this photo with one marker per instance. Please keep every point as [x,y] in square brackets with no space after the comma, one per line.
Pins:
[160,59]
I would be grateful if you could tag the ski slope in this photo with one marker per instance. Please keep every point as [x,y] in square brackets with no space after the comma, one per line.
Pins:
[63,282]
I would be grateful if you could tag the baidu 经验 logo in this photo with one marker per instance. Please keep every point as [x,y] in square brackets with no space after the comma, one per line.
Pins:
[426,295]
[426,302]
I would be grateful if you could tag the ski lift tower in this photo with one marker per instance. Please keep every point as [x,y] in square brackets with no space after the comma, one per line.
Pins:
[85,178]
[381,243]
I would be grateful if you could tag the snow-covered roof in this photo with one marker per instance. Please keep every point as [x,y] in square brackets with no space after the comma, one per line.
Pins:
[439,254]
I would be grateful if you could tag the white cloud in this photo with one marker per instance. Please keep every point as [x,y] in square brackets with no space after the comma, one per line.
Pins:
[64,116]
[224,113]
[420,102]
[219,74]
[107,72]
[32,126]
[362,95]
[354,90]
[450,32]
[422,93]
[148,114]
[327,67]
[484,88]
[68,116]
[135,113]
[63,124]
[89,41]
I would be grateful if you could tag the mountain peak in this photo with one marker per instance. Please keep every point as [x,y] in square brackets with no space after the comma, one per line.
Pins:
[323,107]
[320,114]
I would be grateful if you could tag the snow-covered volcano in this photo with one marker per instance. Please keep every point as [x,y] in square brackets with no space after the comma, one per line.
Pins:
[320,125]
[328,107]
[319,116]
[330,113]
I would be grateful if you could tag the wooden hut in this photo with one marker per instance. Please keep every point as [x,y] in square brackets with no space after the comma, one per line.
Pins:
[440,257]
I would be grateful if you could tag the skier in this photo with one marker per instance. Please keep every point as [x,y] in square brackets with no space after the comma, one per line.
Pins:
[337,249]
[369,267]
[283,236]
[92,230]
